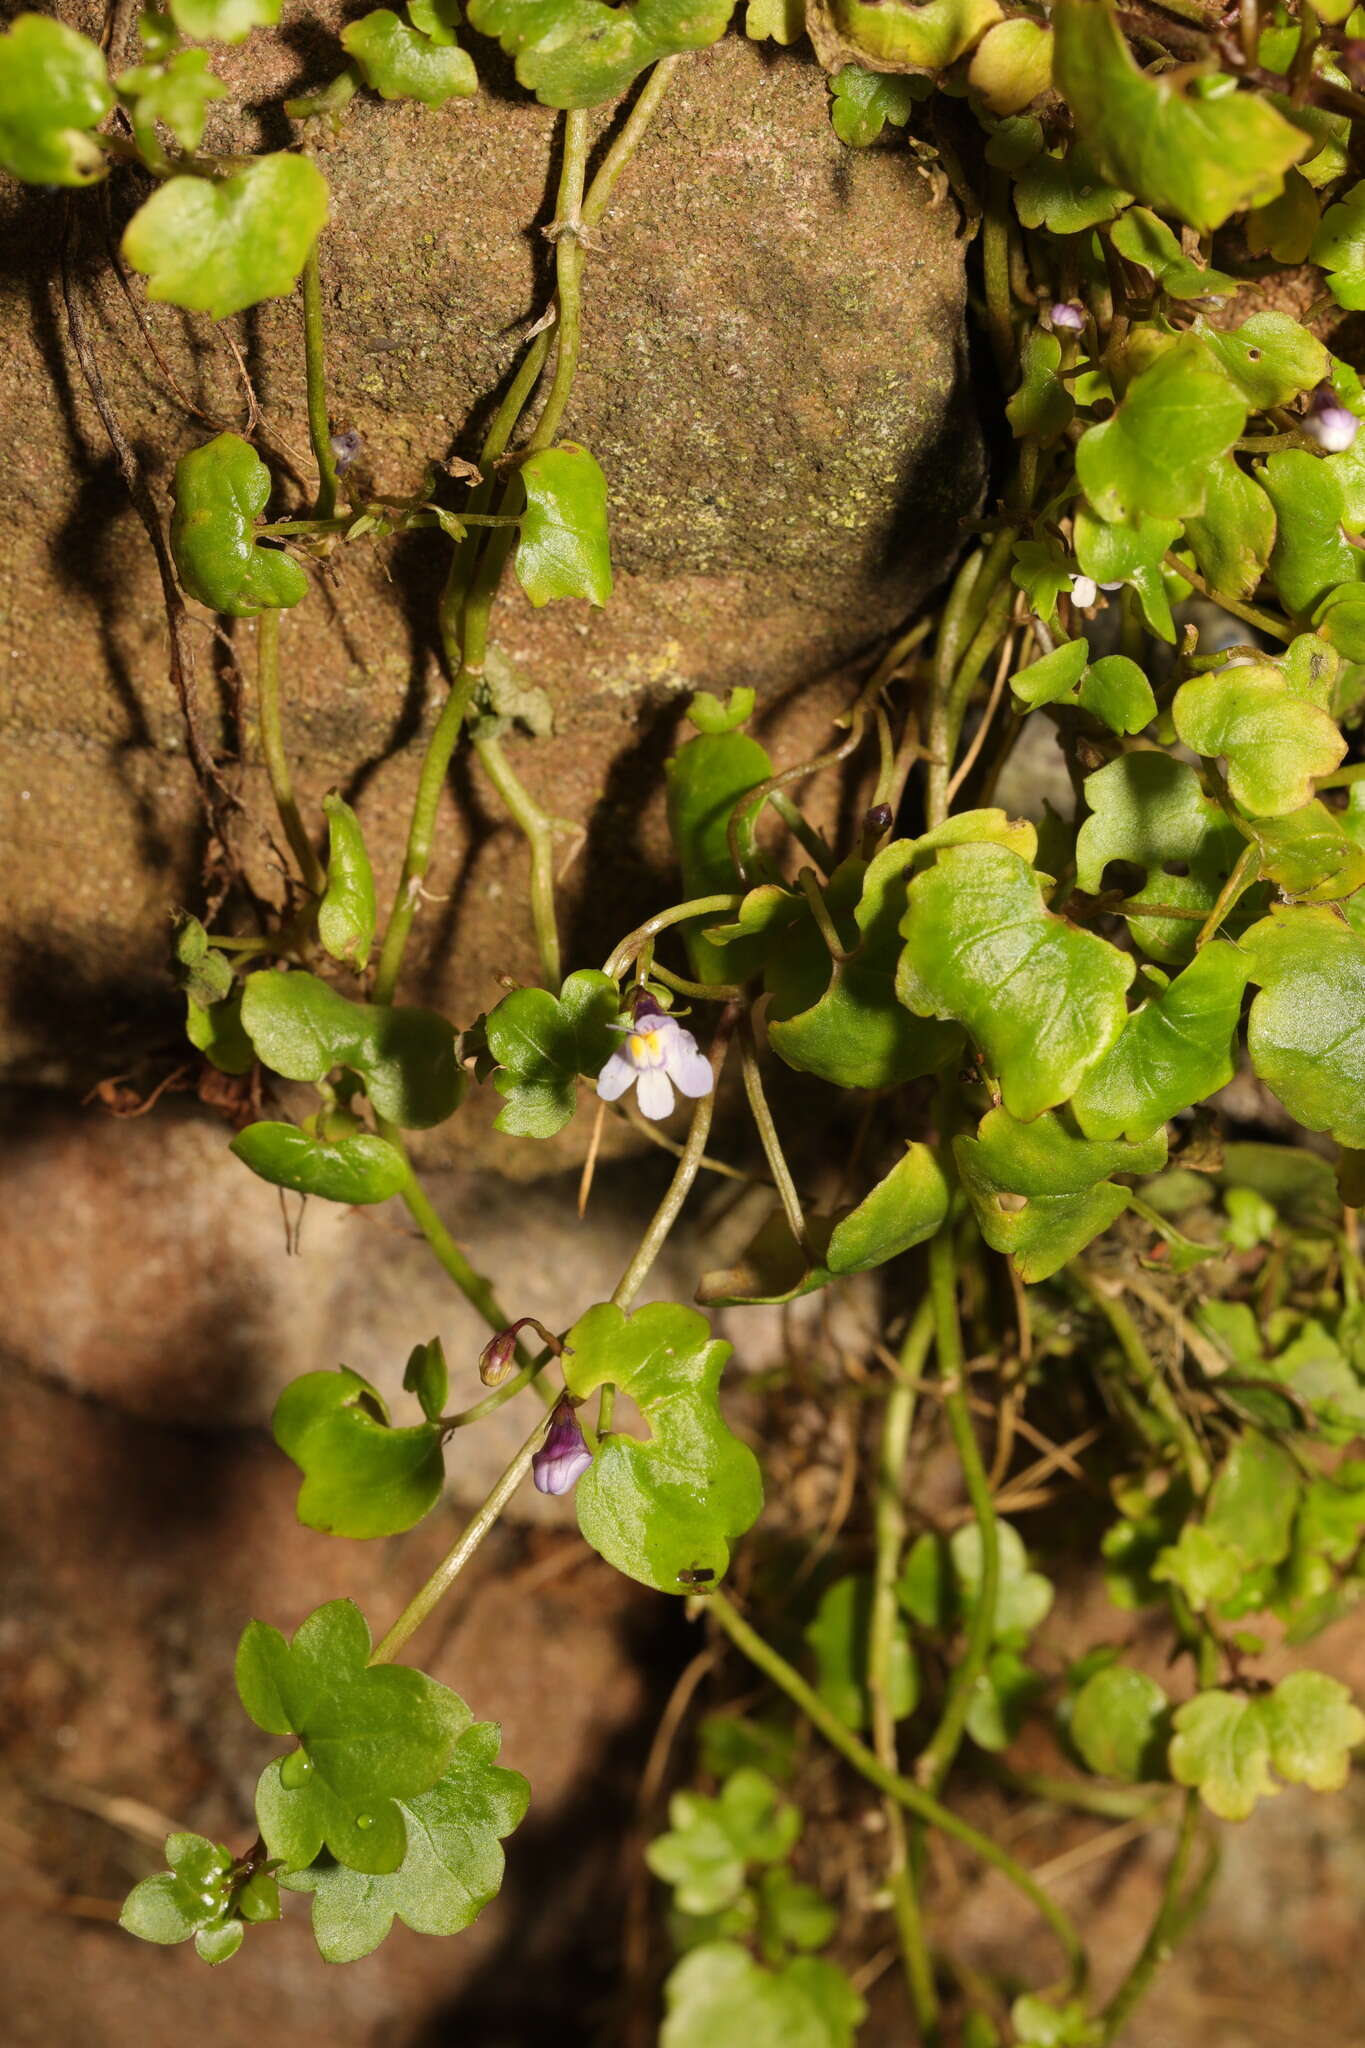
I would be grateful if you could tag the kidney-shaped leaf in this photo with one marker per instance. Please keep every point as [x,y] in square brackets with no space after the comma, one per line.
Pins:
[1200,158]
[399,61]
[192,1897]
[542,1043]
[577,53]
[1175,1049]
[361,1477]
[453,1865]
[718,1995]
[1043,1000]
[220,489]
[1119,1724]
[562,547]
[1177,418]
[1306,1031]
[54,90]
[1274,742]
[667,1508]
[368,1737]
[1041,1195]
[218,247]
[301,1028]
[905,1208]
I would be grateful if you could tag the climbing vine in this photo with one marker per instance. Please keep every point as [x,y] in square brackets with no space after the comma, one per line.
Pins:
[1037,1016]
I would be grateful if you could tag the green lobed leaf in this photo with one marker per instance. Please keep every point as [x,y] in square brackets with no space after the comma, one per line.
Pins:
[719,1997]
[177,93]
[1339,248]
[840,1636]
[369,1736]
[452,1866]
[905,1208]
[194,1897]
[1043,573]
[217,1033]
[220,488]
[711,1843]
[707,778]
[1311,554]
[1119,1725]
[223,21]
[1144,238]
[302,1029]
[1042,999]
[1306,1030]
[1001,1699]
[671,1505]
[1114,688]
[1225,1745]
[1308,855]
[1176,1049]
[778,21]
[1038,2023]
[577,53]
[1114,552]
[863,102]
[361,1477]
[1148,809]
[542,1043]
[840,1019]
[1199,156]
[941,1584]
[1042,407]
[1270,358]
[1285,228]
[1178,417]
[1274,742]
[54,92]
[1064,192]
[1041,1195]
[358,1170]
[398,60]
[792,1915]
[346,914]
[1232,538]
[219,247]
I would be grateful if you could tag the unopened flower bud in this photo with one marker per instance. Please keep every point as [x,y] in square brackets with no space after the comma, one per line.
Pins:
[1067,315]
[495,1360]
[564,1457]
[1085,591]
[1331,424]
[345,448]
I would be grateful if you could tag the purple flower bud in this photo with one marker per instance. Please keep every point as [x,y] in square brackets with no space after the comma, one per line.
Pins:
[877,821]
[495,1360]
[1331,424]
[345,448]
[563,1458]
[1068,315]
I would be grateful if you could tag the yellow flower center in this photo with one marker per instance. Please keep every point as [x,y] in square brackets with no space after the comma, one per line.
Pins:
[644,1047]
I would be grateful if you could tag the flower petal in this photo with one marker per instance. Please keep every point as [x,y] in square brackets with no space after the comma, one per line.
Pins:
[655,1094]
[615,1077]
[690,1068]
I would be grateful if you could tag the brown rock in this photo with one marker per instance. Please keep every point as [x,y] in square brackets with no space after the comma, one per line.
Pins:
[772,379]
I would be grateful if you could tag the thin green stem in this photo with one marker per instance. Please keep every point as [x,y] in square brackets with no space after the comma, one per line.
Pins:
[627,141]
[936,1758]
[499,1396]
[1238,882]
[315,368]
[1146,1373]
[635,942]
[276,759]
[539,835]
[767,1133]
[1342,778]
[455,1560]
[975,614]
[567,230]
[913,1798]
[995,264]
[1160,1940]
[897,1418]
[1265,621]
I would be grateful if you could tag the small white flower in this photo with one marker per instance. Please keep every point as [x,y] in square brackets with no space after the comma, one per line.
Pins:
[1085,591]
[1331,424]
[658,1055]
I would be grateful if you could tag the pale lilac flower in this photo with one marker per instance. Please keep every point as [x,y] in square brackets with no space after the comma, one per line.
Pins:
[1330,423]
[1068,315]
[658,1055]
[345,448]
[563,1458]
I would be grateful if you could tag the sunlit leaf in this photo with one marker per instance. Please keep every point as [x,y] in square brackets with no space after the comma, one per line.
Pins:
[361,1477]
[220,489]
[1274,742]
[216,247]
[863,102]
[1176,1048]
[1119,1724]
[542,1043]
[1178,417]
[673,1504]
[357,1169]
[54,92]
[718,1996]
[1306,1031]
[398,61]
[577,53]
[563,549]
[346,914]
